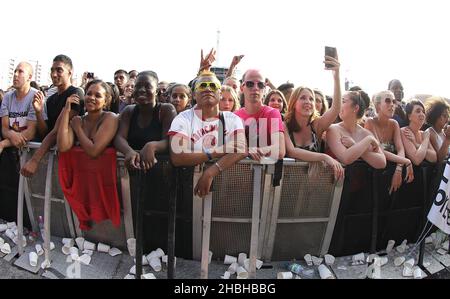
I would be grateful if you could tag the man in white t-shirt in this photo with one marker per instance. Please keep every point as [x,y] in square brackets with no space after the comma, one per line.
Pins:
[17,111]
[201,134]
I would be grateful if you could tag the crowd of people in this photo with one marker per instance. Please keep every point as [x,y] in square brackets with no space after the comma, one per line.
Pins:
[141,116]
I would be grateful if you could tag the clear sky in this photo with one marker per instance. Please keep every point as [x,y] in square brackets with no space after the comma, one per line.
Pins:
[376,40]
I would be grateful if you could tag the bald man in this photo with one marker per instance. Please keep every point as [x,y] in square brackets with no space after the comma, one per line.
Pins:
[17,111]
[263,124]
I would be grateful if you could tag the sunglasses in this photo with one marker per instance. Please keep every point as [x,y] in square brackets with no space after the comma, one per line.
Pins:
[202,86]
[389,100]
[251,84]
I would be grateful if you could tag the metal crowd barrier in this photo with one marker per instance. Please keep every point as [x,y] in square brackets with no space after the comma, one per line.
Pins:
[270,211]
[368,216]
[64,221]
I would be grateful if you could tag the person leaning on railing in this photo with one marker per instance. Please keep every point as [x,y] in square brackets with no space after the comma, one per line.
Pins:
[437,114]
[143,127]
[202,133]
[347,140]
[417,142]
[304,127]
[387,132]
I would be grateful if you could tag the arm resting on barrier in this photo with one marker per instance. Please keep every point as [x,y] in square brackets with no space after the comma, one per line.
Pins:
[349,155]
[204,183]
[417,155]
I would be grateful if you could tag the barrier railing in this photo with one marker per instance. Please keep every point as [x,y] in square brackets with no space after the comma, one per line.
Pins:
[273,212]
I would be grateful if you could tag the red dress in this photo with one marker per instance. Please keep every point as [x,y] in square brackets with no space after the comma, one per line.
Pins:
[90,185]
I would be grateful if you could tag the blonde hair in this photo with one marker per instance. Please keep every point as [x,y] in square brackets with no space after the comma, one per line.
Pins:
[291,123]
[379,96]
[234,96]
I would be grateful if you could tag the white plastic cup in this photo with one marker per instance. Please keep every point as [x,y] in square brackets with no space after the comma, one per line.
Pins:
[241,258]
[390,246]
[114,251]
[317,260]
[85,259]
[241,273]
[407,271]
[284,275]
[103,248]
[65,250]
[68,242]
[33,259]
[324,272]
[259,264]
[11,224]
[410,263]
[428,240]
[52,246]
[226,275]
[233,268]
[329,259]
[383,261]
[74,253]
[3,227]
[89,245]
[131,245]
[308,259]
[358,257]
[133,270]
[6,249]
[155,263]
[2,241]
[39,249]
[88,252]
[418,273]
[228,260]
[148,276]
[399,261]
[80,243]
[210,255]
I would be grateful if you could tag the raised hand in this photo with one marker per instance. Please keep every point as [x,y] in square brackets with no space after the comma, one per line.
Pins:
[38,102]
[206,62]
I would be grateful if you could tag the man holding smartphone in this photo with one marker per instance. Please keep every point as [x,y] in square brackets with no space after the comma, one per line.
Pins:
[61,74]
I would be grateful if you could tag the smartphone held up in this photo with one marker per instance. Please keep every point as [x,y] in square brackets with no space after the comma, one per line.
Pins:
[330,51]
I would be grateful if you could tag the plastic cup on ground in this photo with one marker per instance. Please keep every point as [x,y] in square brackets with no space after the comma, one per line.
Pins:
[6,249]
[155,263]
[33,259]
[259,264]
[226,275]
[2,241]
[3,227]
[329,259]
[233,268]
[103,248]
[11,224]
[80,243]
[399,261]
[210,255]
[407,271]
[228,260]
[284,275]
[10,234]
[241,273]
[241,258]
[316,260]
[89,245]
[114,251]
[65,250]
[39,249]
[418,274]
[308,259]
[324,272]
[68,242]
[410,263]
[52,246]
[390,246]
[148,276]
[85,259]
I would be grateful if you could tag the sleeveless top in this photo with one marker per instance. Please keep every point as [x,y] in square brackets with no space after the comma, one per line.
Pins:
[137,136]
[440,137]
[314,146]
